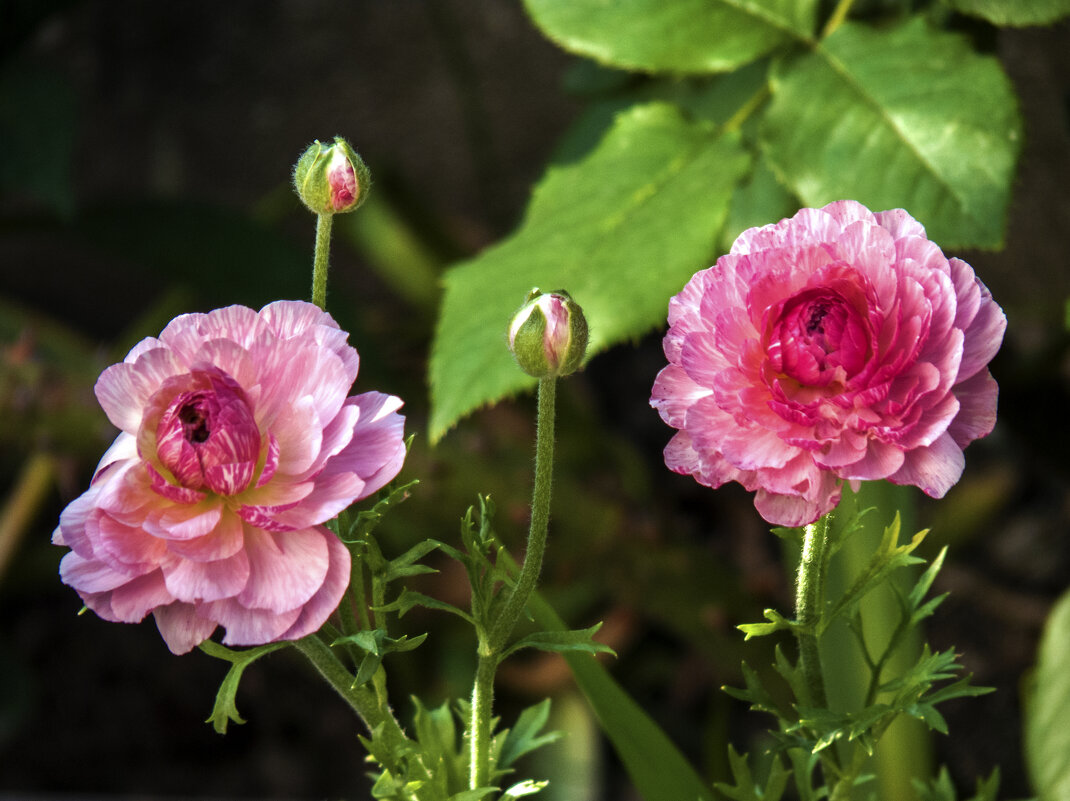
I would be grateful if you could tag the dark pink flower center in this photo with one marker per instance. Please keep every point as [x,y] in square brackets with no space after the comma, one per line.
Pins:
[208,439]
[817,338]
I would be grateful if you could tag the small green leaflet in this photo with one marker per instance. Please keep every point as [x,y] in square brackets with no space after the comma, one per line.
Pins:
[225,710]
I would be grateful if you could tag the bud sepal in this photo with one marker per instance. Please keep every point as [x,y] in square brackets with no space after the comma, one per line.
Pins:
[331,178]
[548,336]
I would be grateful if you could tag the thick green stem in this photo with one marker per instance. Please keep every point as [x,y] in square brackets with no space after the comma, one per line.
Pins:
[364,701]
[809,597]
[479,737]
[809,604]
[320,261]
[494,641]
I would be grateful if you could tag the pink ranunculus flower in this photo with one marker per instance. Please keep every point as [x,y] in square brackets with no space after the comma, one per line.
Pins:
[836,345]
[237,443]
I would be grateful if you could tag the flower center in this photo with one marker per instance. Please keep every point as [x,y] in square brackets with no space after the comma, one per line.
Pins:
[194,423]
[816,337]
[207,436]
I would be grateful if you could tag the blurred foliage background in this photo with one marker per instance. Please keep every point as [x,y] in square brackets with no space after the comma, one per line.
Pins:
[145,152]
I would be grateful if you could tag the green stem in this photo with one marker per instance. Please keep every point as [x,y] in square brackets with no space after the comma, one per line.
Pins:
[491,645]
[320,261]
[356,593]
[479,738]
[839,14]
[809,606]
[363,701]
[754,102]
[540,518]
[809,598]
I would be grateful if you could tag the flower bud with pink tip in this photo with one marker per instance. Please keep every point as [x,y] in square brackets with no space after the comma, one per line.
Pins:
[331,179]
[548,336]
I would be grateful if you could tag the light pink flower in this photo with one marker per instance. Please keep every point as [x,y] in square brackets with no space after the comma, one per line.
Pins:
[835,345]
[237,443]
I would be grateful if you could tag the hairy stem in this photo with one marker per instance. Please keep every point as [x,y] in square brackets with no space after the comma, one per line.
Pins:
[479,737]
[364,701]
[320,261]
[492,644]
[809,607]
[809,598]
[540,519]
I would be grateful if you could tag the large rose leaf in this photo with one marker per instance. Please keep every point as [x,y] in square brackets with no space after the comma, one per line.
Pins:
[621,230]
[907,117]
[1047,737]
[685,36]
[1014,12]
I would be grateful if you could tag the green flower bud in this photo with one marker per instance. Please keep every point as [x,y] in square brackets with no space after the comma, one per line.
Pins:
[548,336]
[331,179]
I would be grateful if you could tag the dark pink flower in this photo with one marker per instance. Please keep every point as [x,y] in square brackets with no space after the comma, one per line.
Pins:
[835,345]
[237,443]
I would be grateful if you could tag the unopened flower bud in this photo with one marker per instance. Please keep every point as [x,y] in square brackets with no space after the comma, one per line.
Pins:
[548,336]
[331,179]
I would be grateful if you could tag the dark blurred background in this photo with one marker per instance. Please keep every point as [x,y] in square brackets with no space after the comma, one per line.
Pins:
[145,151]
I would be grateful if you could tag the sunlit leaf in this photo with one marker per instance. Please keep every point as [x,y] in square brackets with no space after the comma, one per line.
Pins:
[621,230]
[1014,12]
[906,117]
[681,36]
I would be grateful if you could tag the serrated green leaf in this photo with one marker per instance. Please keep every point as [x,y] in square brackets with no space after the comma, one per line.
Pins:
[526,787]
[225,710]
[777,622]
[745,788]
[354,527]
[939,788]
[792,674]
[1014,12]
[410,598]
[377,642]
[684,36]
[925,582]
[888,557]
[561,641]
[927,714]
[523,737]
[622,230]
[1047,709]
[960,689]
[987,789]
[367,669]
[473,795]
[436,732]
[902,117]
[405,565]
